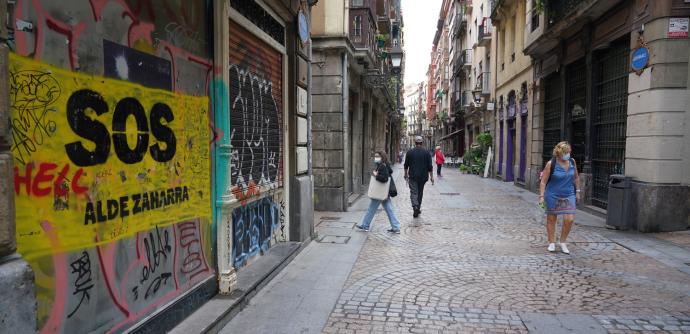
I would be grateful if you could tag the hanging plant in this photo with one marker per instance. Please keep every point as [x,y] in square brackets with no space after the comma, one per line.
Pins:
[380,40]
[539,6]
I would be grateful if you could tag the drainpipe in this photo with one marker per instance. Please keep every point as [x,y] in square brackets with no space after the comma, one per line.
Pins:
[346,126]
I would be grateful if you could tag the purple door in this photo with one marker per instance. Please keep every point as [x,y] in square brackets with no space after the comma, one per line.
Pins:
[500,150]
[523,149]
[511,151]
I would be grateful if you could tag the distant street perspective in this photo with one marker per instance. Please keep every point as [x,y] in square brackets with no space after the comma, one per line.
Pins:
[475,261]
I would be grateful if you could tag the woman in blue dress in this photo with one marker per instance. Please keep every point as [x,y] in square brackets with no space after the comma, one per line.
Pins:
[560,190]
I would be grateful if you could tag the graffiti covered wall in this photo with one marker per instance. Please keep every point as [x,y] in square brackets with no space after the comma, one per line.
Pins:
[256,121]
[111,146]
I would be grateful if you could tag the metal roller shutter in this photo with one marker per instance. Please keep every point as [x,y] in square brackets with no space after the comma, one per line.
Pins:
[256,111]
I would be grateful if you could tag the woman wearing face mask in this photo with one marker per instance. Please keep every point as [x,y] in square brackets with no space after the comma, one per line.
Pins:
[560,190]
[382,172]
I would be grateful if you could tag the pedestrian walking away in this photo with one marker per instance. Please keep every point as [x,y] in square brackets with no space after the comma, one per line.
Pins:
[559,194]
[418,170]
[382,173]
[440,160]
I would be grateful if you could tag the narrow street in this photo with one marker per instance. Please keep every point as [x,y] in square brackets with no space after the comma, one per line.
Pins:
[475,261]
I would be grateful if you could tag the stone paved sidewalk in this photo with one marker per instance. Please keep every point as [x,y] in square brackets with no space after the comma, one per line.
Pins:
[476,261]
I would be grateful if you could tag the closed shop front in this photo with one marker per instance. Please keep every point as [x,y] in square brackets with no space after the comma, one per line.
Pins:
[609,117]
[256,135]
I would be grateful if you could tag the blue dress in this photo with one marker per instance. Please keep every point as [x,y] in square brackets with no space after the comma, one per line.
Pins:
[560,191]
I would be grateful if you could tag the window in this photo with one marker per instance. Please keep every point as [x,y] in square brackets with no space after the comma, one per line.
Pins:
[535,16]
[358,25]
[357,3]
[512,37]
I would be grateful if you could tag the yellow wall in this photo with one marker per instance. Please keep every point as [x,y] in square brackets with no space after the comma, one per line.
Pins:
[329,18]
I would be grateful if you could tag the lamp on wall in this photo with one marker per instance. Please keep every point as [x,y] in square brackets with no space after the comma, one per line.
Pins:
[396,54]
[477,94]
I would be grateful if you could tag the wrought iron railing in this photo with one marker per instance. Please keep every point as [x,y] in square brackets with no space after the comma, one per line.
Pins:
[484,35]
[483,83]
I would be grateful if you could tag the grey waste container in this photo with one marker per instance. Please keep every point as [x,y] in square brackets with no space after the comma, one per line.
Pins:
[618,211]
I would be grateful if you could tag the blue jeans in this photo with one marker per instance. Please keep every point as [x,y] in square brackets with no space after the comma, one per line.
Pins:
[388,206]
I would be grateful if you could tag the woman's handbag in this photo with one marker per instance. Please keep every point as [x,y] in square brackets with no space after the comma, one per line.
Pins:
[378,190]
[393,190]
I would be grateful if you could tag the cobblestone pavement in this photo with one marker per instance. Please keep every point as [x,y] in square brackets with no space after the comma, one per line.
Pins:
[476,261]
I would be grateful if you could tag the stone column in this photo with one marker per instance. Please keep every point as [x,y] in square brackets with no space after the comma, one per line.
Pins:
[18,302]
[657,133]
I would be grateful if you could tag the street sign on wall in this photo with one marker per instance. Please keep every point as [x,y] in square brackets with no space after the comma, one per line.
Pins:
[639,59]
[678,27]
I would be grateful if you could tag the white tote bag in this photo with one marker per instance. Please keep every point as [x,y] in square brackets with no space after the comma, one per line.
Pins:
[378,190]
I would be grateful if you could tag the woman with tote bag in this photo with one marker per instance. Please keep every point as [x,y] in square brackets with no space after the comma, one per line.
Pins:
[379,193]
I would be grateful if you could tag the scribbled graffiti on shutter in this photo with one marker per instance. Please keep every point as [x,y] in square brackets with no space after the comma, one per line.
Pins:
[256,81]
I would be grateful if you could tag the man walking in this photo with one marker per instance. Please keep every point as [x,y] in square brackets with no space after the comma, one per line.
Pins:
[418,170]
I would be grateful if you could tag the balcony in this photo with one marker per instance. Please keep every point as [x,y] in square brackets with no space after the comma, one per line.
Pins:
[548,28]
[464,60]
[484,34]
[483,83]
[560,9]
[467,99]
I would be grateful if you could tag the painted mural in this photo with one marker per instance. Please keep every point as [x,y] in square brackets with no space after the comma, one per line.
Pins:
[112,192]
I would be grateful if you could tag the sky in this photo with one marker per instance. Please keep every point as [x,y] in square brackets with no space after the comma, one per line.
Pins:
[420,17]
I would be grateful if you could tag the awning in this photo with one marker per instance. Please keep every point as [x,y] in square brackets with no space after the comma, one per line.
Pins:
[452,134]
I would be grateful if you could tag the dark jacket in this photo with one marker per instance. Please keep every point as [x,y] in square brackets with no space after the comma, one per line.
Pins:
[384,172]
[418,161]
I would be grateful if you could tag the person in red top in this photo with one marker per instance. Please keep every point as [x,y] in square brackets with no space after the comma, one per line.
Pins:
[440,159]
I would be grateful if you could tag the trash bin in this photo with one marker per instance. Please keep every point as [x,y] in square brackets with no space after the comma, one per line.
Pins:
[618,210]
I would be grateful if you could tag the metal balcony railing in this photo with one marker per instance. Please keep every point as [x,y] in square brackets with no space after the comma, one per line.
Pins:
[466,58]
[483,83]
[467,98]
[484,34]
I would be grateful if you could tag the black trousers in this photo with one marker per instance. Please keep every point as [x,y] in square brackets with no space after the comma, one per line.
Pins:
[438,169]
[416,192]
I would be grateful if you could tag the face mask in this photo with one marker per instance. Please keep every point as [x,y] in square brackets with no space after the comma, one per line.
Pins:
[377,160]
[565,157]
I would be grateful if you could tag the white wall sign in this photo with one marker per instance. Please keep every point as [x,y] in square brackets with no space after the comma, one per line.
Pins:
[301,101]
[678,27]
[302,160]
[301,131]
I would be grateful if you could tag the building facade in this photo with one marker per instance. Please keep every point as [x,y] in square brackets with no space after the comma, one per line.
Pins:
[618,120]
[154,152]
[355,103]
[512,93]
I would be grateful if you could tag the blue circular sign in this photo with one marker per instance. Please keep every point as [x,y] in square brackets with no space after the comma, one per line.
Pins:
[640,58]
[303,27]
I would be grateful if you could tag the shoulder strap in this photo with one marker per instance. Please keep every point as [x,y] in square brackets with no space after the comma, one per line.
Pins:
[553,166]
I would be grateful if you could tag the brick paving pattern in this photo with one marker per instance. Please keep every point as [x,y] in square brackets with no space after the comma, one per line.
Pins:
[477,258]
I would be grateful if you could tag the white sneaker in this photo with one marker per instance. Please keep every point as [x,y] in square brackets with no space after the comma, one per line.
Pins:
[564,248]
[552,247]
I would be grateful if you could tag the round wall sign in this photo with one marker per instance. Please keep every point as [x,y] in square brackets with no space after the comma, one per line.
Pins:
[303,28]
[640,59]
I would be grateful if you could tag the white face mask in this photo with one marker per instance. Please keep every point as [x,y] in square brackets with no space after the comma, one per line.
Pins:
[565,157]
[377,160]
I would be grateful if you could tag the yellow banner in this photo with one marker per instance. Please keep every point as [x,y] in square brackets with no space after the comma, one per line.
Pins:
[97,159]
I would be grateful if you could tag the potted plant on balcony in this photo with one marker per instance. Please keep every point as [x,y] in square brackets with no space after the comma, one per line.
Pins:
[380,40]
